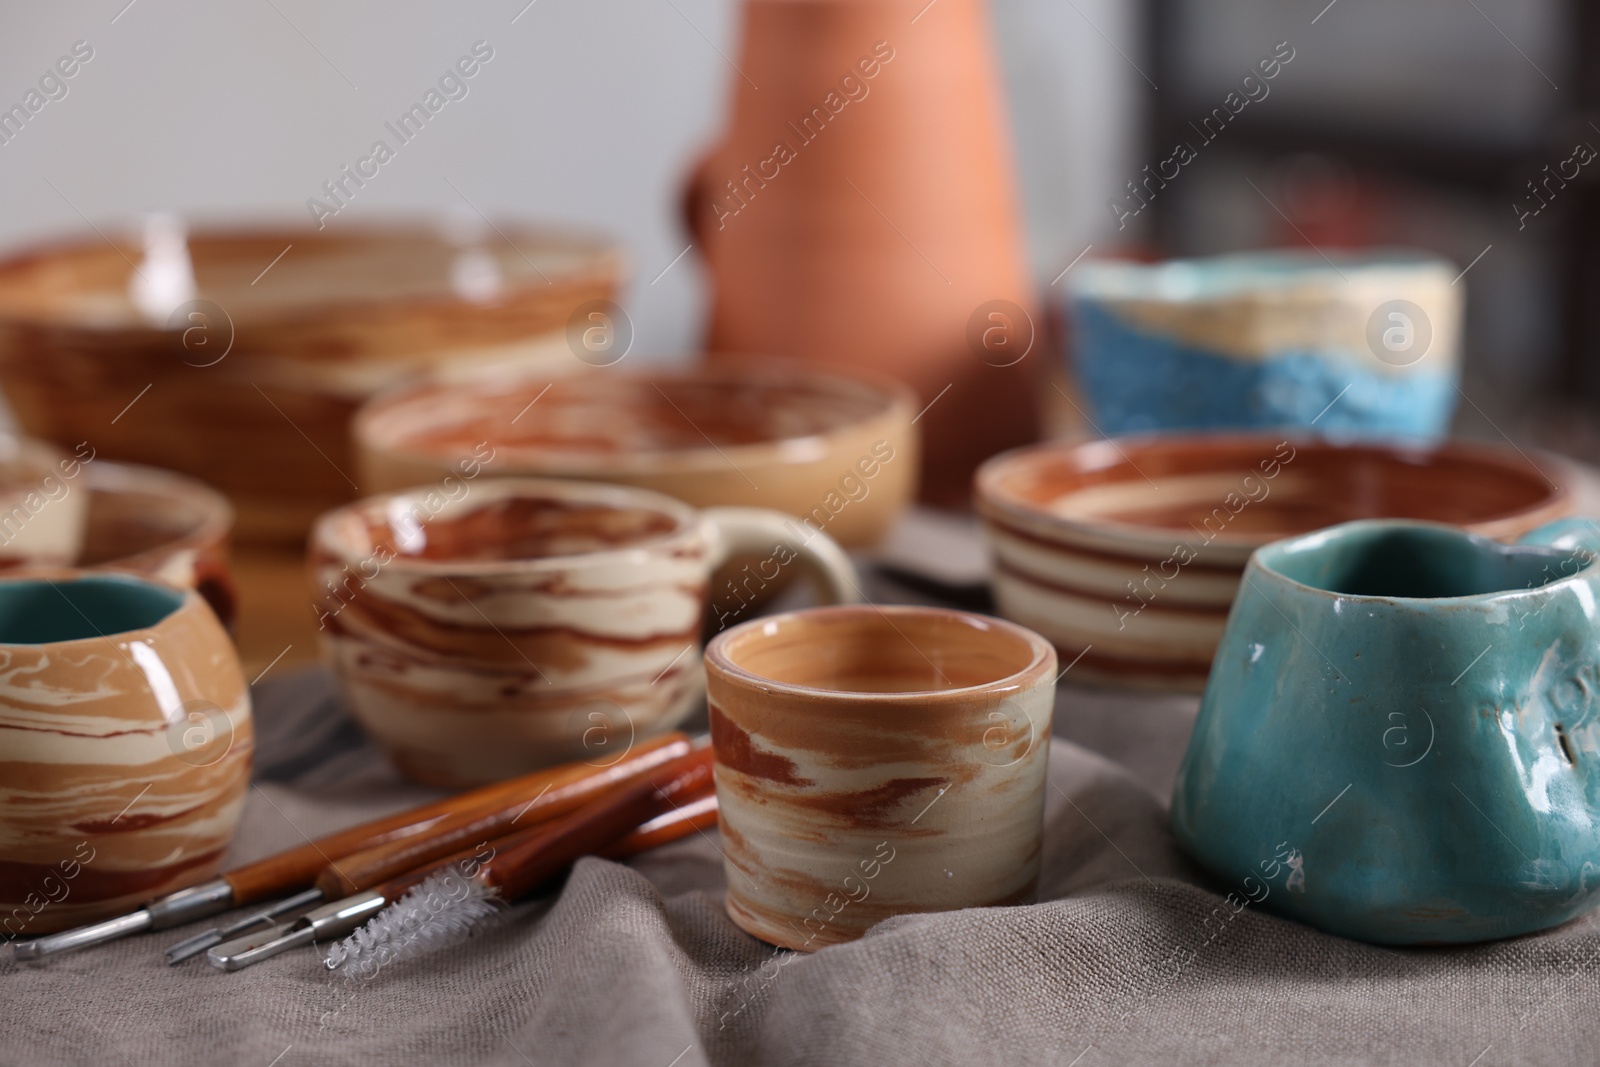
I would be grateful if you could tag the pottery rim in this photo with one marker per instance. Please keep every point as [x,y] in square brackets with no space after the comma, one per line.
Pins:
[118,479]
[601,255]
[687,529]
[1261,561]
[895,401]
[994,500]
[718,656]
[1259,276]
[176,600]
[25,461]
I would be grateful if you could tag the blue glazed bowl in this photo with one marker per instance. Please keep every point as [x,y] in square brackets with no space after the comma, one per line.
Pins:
[1398,741]
[1355,345]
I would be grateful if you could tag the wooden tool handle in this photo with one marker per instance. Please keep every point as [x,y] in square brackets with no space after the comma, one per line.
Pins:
[296,869]
[694,816]
[522,866]
[521,861]
[483,822]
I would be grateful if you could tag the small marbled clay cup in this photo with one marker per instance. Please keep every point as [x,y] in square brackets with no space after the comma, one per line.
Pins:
[481,629]
[874,762]
[125,745]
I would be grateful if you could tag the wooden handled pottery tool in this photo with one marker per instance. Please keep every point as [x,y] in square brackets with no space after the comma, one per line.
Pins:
[485,821]
[517,864]
[298,868]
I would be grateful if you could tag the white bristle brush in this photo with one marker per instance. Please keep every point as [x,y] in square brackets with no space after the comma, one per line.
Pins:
[452,896]
[437,911]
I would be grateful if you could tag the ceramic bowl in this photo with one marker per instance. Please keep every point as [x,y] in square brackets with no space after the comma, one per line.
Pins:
[873,762]
[1398,737]
[1353,344]
[41,518]
[239,356]
[160,524]
[1129,551]
[839,452]
[127,739]
[483,628]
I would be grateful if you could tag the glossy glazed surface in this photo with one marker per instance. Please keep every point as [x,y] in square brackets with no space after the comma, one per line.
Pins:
[758,436]
[245,395]
[1399,735]
[124,753]
[481,629]
[877,762]
[1130,551]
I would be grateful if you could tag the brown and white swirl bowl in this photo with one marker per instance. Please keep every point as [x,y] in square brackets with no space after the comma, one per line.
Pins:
[482,628]
[125,745]
[1126,553]
[877,762]
[239,355]
[838,451]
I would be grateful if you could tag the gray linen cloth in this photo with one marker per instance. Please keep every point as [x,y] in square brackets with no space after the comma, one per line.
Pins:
[1131,957]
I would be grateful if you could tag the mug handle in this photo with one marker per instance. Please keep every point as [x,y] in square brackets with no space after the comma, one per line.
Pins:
[1576,534]
[759,531]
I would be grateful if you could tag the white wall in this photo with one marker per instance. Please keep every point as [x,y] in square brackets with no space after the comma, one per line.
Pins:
[588,114]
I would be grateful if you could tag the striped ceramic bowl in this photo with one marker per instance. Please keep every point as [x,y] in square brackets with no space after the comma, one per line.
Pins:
[1126,552]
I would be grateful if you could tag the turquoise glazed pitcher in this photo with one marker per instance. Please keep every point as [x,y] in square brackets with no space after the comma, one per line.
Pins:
[1398,740]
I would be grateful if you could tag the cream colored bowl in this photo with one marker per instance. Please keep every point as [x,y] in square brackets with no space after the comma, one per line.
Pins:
[839,453]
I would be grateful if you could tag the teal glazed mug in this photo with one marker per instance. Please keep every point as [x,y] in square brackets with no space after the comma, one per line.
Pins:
[1399,741]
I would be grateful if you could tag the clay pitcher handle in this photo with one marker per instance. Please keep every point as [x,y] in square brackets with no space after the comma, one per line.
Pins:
[695,196]
[780,540]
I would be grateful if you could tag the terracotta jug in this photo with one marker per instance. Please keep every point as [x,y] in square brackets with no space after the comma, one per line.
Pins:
[861,211]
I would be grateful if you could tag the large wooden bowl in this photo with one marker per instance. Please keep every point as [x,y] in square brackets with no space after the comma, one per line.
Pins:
[239,356]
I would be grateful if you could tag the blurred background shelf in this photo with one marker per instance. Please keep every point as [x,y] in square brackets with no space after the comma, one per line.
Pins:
[1417,122]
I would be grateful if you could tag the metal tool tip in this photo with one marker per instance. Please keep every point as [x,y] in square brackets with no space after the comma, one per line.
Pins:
[83,936]
[241,952]
[193,946]
[223,962]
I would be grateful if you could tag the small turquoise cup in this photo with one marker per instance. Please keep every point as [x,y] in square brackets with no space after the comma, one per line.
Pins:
[1398,741]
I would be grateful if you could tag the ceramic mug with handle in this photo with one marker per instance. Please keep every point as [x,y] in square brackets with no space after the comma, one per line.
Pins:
[1399,740]
[482,629]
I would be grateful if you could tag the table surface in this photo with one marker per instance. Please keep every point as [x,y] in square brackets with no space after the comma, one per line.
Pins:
[1131,955]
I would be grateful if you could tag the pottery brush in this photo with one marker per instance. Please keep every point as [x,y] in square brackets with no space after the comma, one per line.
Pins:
[444,905]
[520,861]
[438,910]
[374,866]
[296,870]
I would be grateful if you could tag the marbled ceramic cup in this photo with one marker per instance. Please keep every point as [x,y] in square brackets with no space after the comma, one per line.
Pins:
[481,629]
[874,762]
[125,742]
